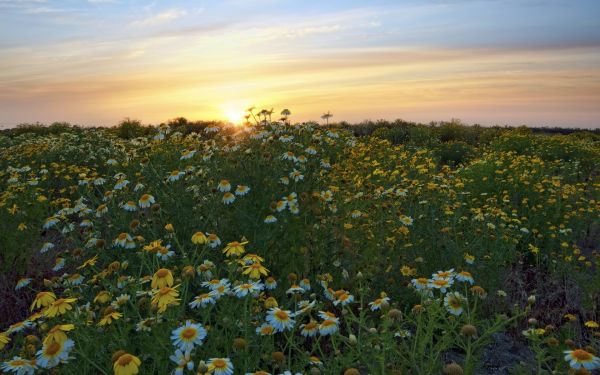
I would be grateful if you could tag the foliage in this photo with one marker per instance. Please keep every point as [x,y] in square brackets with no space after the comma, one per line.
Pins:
[384,248]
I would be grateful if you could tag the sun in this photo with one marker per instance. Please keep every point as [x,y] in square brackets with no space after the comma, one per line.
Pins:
[234,116]
[234,112]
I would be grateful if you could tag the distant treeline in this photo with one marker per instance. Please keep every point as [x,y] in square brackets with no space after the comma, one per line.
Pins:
[397,131]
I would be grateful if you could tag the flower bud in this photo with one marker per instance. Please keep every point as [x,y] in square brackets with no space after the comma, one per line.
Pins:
[453,369]
[468,330]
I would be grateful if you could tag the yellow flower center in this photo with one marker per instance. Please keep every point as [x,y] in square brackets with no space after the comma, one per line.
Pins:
[581,355]
[282,315]
[163,272]
[188,333]
[219,363]
[52,349]
[125,359]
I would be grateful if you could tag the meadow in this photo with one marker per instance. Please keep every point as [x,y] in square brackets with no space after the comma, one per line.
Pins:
[279,248]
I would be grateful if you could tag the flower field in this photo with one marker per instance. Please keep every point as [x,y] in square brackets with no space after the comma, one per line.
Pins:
[286,249]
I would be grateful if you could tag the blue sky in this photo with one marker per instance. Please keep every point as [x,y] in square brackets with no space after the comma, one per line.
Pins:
[491,62]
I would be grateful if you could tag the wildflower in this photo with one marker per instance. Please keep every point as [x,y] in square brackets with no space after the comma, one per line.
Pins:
[454,303]
[102,297]
[269,219]
[19,366]
[46,246]
[4,339]
[224,186]
[242,190]
[183,361]
[124,240]
[220,366]
[265,329]
[129,206]
[580,358]
[89,262]
[54,353]
[465,276]
[280,319]
[480,292]
[203,300]
[59,264]
[444,274]
[187,154]
[376,305]
[19,326]
[296,175]
[270,283]
[162,277]
[213,240]
[175,175]
[127,364]
[591,324]
[215,283]
[244,289]
[420,283]
[59,307]
[254,271]
[57,333]
[146,201]
[470,259]
[228,198]
[343,299]
[441,284]
[22,283]
[165,252]
[51,222]
[199,238]
[406,220]
[165,297]
[309,329]
[108,318]
[188,336]
[328,326]
[235,248]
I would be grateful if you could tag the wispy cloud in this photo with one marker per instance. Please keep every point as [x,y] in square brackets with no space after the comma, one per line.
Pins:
[160,18]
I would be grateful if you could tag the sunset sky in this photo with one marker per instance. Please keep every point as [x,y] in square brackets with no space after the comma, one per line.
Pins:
[490,62]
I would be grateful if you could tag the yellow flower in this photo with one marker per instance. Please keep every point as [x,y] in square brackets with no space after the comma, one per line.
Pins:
[591,324]
[255,270]
[57,333]
[199,238]
[4,339]
[235,248]
[59,307]
[162,277]
[108,318]
[165,297]
[407,271]
[90,262]
[22,227]
[43,299]
[102,297]
[533,249]
[169,228]
[570,317]
[127,364]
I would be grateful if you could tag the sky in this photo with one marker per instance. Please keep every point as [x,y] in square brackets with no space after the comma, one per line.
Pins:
[490,62]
